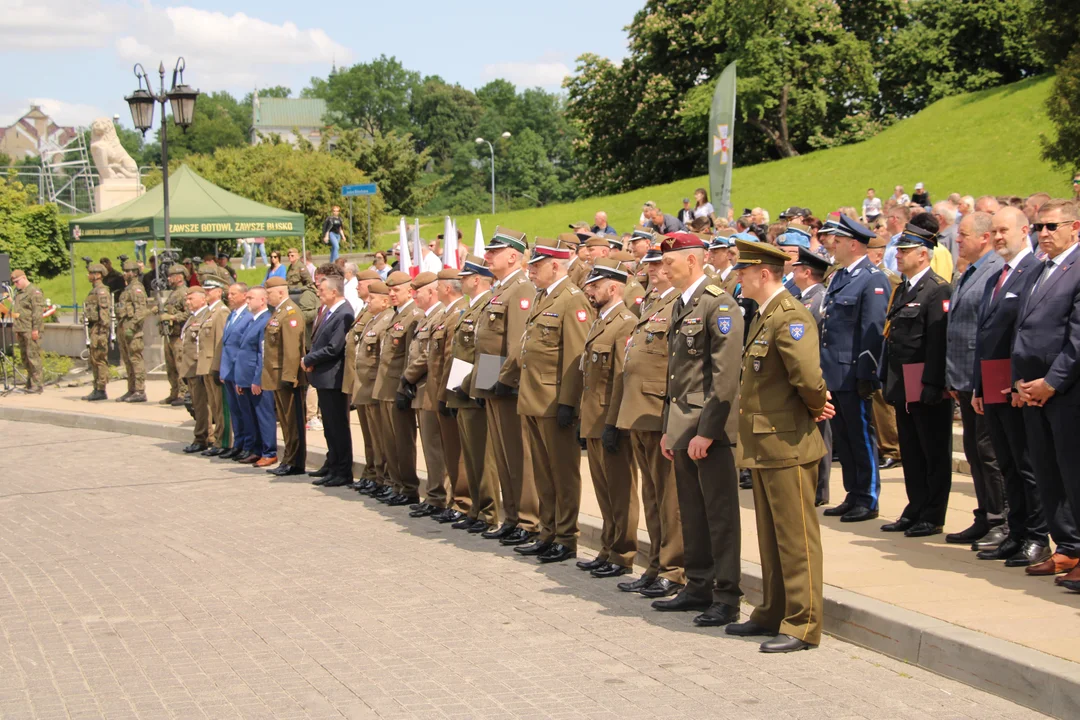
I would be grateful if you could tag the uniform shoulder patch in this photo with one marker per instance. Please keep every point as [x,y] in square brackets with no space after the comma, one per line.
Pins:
[874,270]
[797,330]
[938,279]
[713,290]
[788,303]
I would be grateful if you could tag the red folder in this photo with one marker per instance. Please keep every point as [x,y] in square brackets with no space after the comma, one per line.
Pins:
[996,376]
[913,382]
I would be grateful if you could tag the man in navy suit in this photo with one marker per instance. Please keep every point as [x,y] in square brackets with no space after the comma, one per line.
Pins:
[852,320]
[1004,293]
[325,366]
[1045,365]
[256,404]
[238,319]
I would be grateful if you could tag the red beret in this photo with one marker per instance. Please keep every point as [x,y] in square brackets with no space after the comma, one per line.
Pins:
[681,241]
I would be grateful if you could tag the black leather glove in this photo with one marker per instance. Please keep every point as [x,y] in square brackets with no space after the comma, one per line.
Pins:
[286,385]
[401,402]
[462,394]
[610,439]
[217,376]
[443,410]
[502,390]
[481,402]
[931,395]
[865,388]
[565,416]
[409,390]
[453,411]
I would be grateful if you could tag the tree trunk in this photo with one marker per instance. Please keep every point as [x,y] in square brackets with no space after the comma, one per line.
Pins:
[779,138]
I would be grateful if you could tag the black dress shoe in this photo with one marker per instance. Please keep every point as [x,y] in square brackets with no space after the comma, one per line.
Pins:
[385,494]
[784,644]
[901,525]
[519,536]
[748,629]
[417,506]
[923,529]
[279,470]
[194,448]
[992,539]
[889,463]
[1030,553]
[718,614]
[610,569]
[241,456]
[424,510]
[320,473]
[590,564]
[1004,551]
[557,553]
[841,509]
[859,513]
[681,602]
[320,480]
[536,547]
[336,481]
[211,452]
[366,486]
[230,453]
[971,534]
[479,527]
[1071,585]
[637,585]
[450,515]
[498,533]
[465,523]
[662,587]
[284,470]
[401,500]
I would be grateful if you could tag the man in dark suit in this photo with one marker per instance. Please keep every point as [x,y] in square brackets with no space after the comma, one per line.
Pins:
[325,366]
[975,246]
[1045,365]
[256,404]
[915,329]
[239,318]
[1005,291]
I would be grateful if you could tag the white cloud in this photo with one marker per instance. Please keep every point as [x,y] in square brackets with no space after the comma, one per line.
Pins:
[62,113]
[56,24]
[543,73]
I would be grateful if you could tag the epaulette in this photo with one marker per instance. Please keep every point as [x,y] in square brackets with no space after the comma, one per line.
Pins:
[575,290]
[873,270]
[939,280]
[789,303]
[521,280]
[629,316]
[713,290]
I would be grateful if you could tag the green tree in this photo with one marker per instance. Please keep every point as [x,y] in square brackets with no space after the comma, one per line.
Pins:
[372,96]
[444,116]
[391,160]
[219,122]
[33,235]
[277,91]
[1058,34]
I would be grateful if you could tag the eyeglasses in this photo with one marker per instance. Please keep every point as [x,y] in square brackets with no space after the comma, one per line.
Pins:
[276,257]
[1052,227]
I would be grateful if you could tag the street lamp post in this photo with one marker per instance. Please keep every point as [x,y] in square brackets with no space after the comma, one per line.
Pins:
[492,149]
[181,100]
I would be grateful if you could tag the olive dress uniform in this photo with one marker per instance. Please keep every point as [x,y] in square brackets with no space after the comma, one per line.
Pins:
[96,309]
[577,271]
[550,380]
[476,451]
[439,359]
[367,368]
[400,425]
[210,333]
[354,382]
[283,349]
[704,345]
[27,316]
[613,476]
[782,393]
[639,394]
[131,309]
[427,416]
[634,296]
[729,284]
[188,368]
[172,318]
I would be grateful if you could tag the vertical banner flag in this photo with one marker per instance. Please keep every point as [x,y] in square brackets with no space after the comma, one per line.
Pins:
[418,249]
[478,241]
[457,243]
[449,252]
[721,135]
[404,261]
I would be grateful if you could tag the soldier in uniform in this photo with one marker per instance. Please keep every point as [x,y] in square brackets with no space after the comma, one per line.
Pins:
[131,309]
[477,452]
[498,332]
[172,318]
[610,465]
[639,393]
[283,349]
[188,366]
[454,303]
[700,431]
[634,292]
[576,269]
[809,271]
[915,332]
[97,310]
[782,394]
[414,382]
[352,385]
[548,398]
[720,257]
[851,326]
[367,340]
[27,316]
[398,416]
[210,334]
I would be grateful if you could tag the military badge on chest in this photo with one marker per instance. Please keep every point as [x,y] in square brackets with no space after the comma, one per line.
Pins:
[757,364]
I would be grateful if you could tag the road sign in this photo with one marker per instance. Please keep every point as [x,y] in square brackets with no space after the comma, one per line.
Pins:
[362,189]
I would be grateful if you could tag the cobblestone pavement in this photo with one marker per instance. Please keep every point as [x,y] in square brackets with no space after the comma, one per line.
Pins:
[139,582]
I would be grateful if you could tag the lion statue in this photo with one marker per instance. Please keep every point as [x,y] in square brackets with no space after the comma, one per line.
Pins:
[109,155]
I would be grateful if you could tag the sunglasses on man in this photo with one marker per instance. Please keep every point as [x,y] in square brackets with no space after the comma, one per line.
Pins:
[1052,227]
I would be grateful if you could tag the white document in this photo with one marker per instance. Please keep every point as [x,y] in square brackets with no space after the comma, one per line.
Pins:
[458,370]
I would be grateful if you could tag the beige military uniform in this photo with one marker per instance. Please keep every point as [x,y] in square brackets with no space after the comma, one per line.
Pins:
[639,393]
[577,272]
[27,316]
[549,377]
[188,369]
[416,373]
[476,451]
[210,334]
[498,332]
[131,309]
[97,309]
[439,359]
[401,424]
[172,319]
[782,392]
[283,349]
[634,296]
[353,380]
[613,476]
[730,283]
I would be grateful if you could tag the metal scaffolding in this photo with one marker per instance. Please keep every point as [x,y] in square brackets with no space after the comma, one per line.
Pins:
[68,174]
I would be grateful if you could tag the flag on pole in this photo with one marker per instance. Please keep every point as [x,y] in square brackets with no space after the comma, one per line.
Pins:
[478,241]
[418,249]
[404,260]
[449,253]
[722,130]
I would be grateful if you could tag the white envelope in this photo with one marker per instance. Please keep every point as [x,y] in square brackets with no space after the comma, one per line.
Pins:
[458,370]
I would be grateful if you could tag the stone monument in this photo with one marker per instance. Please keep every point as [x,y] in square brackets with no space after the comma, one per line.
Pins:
[118,174]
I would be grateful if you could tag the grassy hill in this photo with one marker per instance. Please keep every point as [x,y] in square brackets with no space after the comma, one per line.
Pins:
[976,144]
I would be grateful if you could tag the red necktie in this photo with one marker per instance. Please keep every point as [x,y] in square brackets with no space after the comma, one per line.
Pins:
[1000,282]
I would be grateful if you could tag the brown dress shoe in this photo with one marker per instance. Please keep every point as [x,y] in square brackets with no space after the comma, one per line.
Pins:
[1073,574]
[1056,565]
[266,462]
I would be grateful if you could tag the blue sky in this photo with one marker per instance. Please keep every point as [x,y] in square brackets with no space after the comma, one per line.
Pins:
[75,56]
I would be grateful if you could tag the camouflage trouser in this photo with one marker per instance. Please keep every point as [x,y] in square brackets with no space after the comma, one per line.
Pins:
[131,353]
[99,358]
[31,356]
[174,350]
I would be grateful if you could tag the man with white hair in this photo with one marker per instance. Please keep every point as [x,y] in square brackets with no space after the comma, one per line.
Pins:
[352,295]
[946,214]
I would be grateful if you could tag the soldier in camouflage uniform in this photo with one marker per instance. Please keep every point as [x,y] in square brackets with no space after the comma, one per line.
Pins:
[172,317]
[27,315]
[132,307]
[96,310]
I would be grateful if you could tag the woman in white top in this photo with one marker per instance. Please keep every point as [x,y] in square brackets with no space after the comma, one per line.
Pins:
[702,208]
